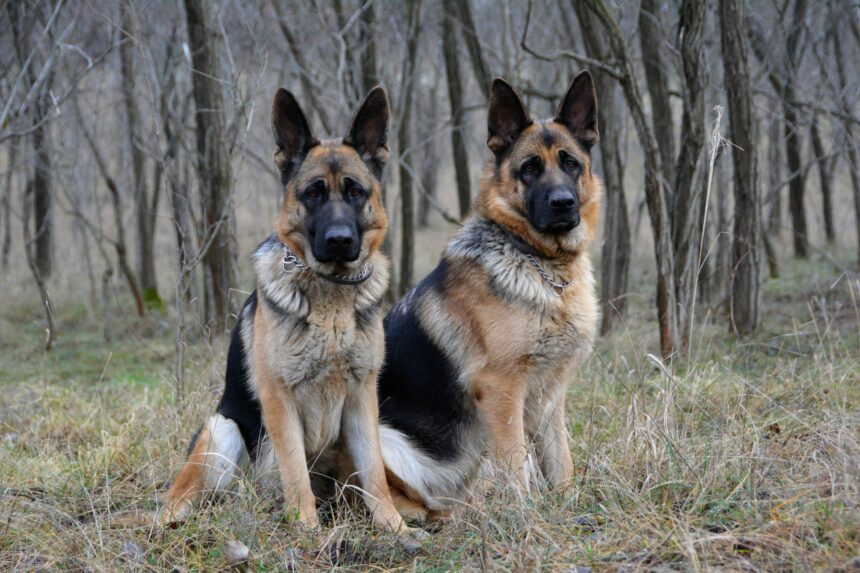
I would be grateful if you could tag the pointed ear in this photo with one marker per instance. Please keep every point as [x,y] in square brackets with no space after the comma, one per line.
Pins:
[292,133]
[506,118]
[368,131]
[578,110]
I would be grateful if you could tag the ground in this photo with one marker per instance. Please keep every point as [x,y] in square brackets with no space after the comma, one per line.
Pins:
[742,456]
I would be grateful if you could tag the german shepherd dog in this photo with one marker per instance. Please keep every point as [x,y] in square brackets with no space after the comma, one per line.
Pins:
[479,354]
[303,360]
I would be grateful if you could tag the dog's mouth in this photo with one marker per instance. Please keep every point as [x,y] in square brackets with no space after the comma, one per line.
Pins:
[559,226]
[339,260]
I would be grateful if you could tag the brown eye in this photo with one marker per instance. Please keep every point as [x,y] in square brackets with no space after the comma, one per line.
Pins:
[314,190]
[569,162]
[530,167]
[355,192]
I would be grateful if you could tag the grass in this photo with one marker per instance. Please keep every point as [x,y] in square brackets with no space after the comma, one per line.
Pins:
[744,457]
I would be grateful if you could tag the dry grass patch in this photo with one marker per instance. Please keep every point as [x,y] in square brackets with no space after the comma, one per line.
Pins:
[743,458]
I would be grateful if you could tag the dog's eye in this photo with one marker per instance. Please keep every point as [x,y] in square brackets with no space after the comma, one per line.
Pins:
[569,162]
[353,189]
[314,190]
[530,167]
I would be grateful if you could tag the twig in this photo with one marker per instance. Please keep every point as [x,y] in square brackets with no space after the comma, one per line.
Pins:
[603,66]
[717,141]
[25,66]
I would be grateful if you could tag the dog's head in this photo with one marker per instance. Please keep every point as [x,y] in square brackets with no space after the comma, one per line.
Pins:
[332,213]
[539,184]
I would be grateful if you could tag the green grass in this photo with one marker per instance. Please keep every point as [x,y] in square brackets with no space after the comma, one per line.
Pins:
[744,457]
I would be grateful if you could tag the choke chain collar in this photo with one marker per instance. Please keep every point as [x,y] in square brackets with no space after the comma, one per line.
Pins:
[292,264]
[531,254]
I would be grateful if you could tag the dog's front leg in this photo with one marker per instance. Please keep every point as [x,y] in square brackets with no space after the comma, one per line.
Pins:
[284,427]
[552,444]
[500,400]
[360,429]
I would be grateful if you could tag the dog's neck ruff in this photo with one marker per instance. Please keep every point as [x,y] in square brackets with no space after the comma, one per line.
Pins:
[521,245]
[531,254]
[510,267]
[292,264]
[557,286]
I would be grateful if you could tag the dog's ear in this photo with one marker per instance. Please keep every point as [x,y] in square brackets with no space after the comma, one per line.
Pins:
[292,133]
[578,110]
[368,131]
[506,118]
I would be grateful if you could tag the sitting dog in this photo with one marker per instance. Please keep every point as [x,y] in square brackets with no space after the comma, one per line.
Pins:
[480,353]
[303,361]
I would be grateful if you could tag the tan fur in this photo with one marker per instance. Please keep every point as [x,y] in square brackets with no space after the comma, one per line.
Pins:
[501,196]
[331,161]
[314,347]
[189,484]
[516,344]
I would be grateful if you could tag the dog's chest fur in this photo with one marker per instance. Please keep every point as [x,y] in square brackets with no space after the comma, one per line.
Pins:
[321,340]
[526,321]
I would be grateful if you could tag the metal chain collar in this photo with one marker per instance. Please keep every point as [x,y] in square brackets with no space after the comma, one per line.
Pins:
[291,260]
[557,287]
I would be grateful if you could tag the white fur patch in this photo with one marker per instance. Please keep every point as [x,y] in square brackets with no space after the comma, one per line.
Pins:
[225,450]
[441,485]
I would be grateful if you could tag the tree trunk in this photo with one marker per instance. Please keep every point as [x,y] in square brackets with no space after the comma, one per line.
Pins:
[43,216]
[793,141]
[744,278]
[178,198]
[473,44]
[213,162]
[774,160]
[770,254]
[797,183]
[781,76]
[825,176]
[404,141]
[145,234]
[615,251]
[6,205]
[40,186]
[654,192]
[455,97]
[31,252]
[854,158]
[651,40]
[773,223]
[853,154]
[689,197]
[369,75]
[429,158]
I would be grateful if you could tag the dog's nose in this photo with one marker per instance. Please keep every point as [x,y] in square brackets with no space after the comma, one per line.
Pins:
[339,237]
[562,199]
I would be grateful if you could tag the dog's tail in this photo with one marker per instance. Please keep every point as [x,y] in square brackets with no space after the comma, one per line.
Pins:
[212,460]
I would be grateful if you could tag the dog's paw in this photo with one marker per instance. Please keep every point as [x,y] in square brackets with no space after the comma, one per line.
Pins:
[172,515]
[410,538]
